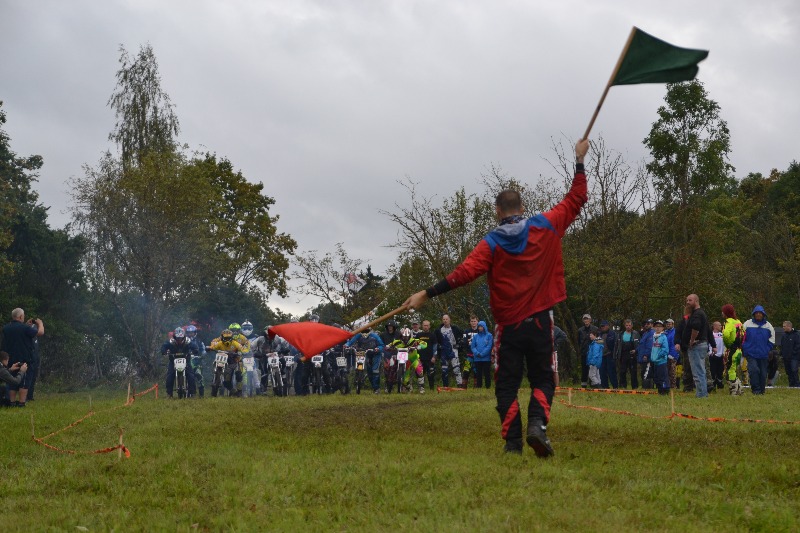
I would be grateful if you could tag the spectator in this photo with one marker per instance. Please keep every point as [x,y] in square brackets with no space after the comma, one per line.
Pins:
[627,349]
[674,355]
[732,337]
[426,355]
[481,347]
[715,359]
[643,352]
[18,343]
[658,358]
[772,368]
[682,336]
[594,358]
[698,344]
[759,338]
[468,361]
[447,337]
[790,352]
[584,339]
[12,375]
[608,368]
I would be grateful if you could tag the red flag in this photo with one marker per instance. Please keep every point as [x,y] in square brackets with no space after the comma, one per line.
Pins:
[310,338]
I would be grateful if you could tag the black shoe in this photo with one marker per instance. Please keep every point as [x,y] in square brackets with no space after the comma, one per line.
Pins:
[22,404]
[537,438]
[513,446]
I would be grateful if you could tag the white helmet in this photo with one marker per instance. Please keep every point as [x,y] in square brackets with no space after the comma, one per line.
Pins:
[247,328]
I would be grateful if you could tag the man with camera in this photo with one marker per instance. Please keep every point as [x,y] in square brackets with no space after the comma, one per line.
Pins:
[12,375]
[18,337]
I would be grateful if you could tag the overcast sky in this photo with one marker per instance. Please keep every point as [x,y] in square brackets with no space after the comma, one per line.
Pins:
[329,103]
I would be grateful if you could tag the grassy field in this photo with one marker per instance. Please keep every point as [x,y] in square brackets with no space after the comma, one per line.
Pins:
[432,462]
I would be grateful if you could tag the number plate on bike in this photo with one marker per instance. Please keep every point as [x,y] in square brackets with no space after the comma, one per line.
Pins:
[360,361]
[180,364]
[221,359]
[249,363]
[273,361]
[341,361]
[317,360]
[402,356]
[288,360]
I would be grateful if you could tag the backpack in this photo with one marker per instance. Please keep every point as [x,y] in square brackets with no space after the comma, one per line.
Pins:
[739,339]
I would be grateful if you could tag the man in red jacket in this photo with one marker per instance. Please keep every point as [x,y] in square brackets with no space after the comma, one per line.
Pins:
[525,273]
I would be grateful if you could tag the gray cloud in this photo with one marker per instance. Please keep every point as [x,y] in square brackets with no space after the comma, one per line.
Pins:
[330,103]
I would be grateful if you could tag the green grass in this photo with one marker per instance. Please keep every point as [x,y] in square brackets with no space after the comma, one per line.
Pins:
[431,462]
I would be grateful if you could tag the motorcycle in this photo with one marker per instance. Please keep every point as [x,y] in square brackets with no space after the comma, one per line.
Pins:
[289,368]
[250,368]
[316,378]
[402,361]
[274,376]
[341,376]
[180,375]
[197,368]
[220,362]
[361,358]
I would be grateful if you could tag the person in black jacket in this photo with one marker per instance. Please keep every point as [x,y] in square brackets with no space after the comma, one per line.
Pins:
[448,336]
[13,375]
[790,352]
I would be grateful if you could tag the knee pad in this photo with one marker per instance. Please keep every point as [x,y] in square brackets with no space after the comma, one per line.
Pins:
[419,371]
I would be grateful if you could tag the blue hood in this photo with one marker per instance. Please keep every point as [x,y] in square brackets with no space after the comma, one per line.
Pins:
[514,237]
[485,331]
[757,309]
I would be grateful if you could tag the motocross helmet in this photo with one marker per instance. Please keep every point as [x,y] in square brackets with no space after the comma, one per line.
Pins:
[235,328]
[391,324]
[314,318]
[247,328]
[191,331]
[405,333]
[226,335]
[178,334]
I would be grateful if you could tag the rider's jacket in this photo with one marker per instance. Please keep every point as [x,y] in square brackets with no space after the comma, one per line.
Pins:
[413,345]
[184,349]
[359,343]
[243,341]
[227,346]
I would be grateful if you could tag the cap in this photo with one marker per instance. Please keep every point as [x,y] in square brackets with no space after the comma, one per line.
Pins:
[658,323]
[587,315]
[604,322]
[669,321]
[650,320]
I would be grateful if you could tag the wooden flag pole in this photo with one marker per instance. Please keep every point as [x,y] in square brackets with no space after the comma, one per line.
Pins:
[610,80]
[377,321]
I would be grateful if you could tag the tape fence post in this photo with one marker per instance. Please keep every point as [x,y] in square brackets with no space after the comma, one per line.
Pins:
[119,455]
[569,395]
[672,400]
[33,432]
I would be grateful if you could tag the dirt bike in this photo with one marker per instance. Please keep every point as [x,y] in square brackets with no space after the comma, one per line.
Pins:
[250,365]
[274,376]
[288,381]
[220,361]
[402,362]
[180,375]
[341,376]
[361,358]
[316,377]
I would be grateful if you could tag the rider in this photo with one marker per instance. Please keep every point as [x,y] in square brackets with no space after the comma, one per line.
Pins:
[369,342]
[197,357]
[236,328]
[413,364]
[226,343]
[252,376]
[263,345]
[389,335]
[178,346]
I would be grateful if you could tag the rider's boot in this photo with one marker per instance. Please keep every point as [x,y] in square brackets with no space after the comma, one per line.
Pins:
[421,383]
[214,390]
[201,390]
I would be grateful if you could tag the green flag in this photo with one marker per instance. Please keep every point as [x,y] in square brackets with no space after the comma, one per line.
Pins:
[651,60]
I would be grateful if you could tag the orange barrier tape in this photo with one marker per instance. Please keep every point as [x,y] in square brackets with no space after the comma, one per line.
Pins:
[125,450]
[449,389]
[606,391]
[614,411]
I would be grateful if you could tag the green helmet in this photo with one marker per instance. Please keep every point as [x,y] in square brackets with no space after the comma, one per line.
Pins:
[235,328]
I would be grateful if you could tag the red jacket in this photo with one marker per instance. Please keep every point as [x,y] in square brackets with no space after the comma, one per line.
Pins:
[522,260]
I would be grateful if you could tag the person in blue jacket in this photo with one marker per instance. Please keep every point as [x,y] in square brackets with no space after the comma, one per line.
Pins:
[759,339]
[659,356]
[481,346]
[370,342]
[594,358]
[643,351]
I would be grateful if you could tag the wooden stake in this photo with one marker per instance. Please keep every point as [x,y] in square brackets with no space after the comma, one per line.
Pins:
[672,399]
[156,391]
[129,394]
[569,395]
[33,433]
[611,79]
[119,457]
[90,404]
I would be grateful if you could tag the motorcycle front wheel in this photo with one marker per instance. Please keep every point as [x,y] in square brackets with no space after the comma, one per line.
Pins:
[181,385]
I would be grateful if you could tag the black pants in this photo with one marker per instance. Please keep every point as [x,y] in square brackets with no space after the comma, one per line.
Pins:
[717,367]
[483,373]
[627,365]
[430,370]
[526,344]
[585,367]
